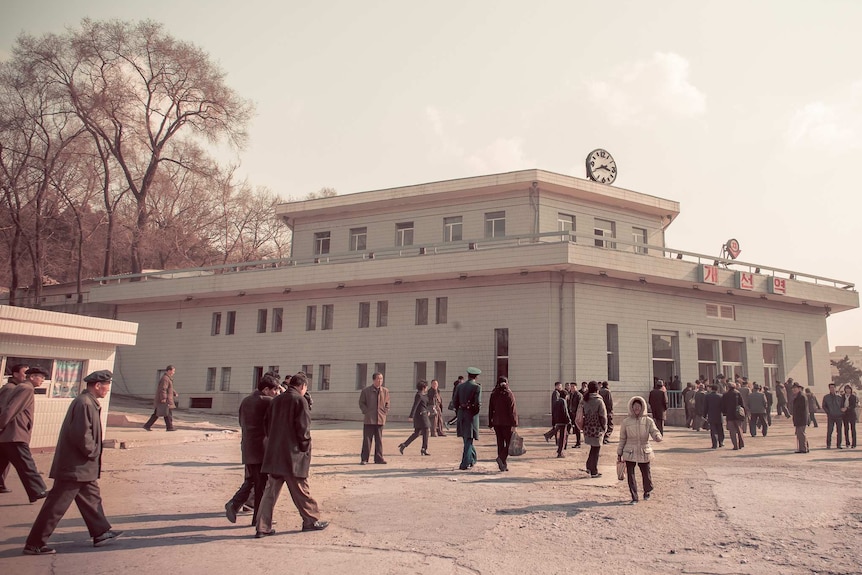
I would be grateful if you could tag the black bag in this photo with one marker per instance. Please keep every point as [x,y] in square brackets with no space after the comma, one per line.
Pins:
[472,406]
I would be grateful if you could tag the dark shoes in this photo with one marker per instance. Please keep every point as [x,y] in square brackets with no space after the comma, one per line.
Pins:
[261,534]
[40,495]
[147,428]
[381,462]
[171,429]
[316,526]
[43,550]
[561,454]
[424,452]
[363,463]
[594,475]
[105,538]
[230,511]
[245,510]
[401,447]
[647,494]
[5,489]
[500,464]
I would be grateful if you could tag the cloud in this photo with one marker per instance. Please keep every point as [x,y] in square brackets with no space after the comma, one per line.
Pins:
[638,93]
[835,125]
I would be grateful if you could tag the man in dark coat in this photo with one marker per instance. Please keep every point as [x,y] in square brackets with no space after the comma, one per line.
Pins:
[287,458]
[605,393]
[252,411]
[468,402]
[16,427]
[555,395]
[712,413]
[734,413]
[573,400]
[688,404]
[18,376]
[781,400]
[658,404]
[76,469]
[799,408]
[164,402]
[561,420]
[435,399]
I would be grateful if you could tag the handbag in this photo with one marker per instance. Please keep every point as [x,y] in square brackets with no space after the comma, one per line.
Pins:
[516,445]
[621,469]
[740,412]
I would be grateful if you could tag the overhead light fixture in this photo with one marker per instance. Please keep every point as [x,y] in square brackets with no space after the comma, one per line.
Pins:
[695,287]
[189,298]
[793,276]
[642,280]
[715,262]
[828,310]
[679,256]
[524,272]
[730,292]
[240,294]
[399,281]
[286,290]
[757,270]
[604,274]
[763,296]
[339,286]
[462,277]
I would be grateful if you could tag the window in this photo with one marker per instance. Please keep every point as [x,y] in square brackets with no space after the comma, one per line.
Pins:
[707,358]
[261,321]
[809,365]
[364,313]
[605,229]
[230,328]
[328,312]
[381,369]
[720,311]
[361,375]
[179,325]
[566,223]
[321,243]
[452,229]
[442,310]
[256,375]
[772,362]
[501,352]
[382,314]
[404,234]
[358,239]
[308,370]
[732,353]
[639,238]
[419,372]
[323,382]
[664,356]
[216,325]
[495,224]
[422,311]
[311,318]
[225,379]
[613,352]
[211,378]
[273,369]
[277,321]
[440,373]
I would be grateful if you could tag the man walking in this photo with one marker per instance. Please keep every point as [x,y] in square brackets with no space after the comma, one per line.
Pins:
[769,402]
[608,399]
[18,376]
[658,404]
[757,406]
[731,406]
[374,404]
[555,395]
[76,469]
[799,407]
[712,413]
[435,400]
[781,400]
[834,417]
[688,403]
[252,412]
[16,426]
[287,458]
[164,400]
[813,406]
[468,402]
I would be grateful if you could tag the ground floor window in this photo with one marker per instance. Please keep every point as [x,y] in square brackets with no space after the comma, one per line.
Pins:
[664,354]
[772,363]
[501,339]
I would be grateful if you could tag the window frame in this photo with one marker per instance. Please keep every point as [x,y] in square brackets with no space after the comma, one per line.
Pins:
[358,239]
[452,226]
[495,224]
[322,243]
[401,234]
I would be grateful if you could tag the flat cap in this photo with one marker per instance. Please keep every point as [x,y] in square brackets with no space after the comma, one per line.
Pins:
[99,376]
[37,371]
[474,371]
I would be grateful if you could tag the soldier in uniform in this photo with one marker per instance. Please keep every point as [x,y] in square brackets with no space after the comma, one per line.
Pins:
[468,401]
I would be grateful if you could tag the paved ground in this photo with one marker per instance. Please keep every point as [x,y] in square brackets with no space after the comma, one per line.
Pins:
[760,510]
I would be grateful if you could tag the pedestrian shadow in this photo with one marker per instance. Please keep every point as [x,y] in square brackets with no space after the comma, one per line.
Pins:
[570,509]
[228,464]
[120,520]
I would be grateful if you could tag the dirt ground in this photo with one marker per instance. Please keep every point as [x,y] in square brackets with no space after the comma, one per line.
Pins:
[759,510]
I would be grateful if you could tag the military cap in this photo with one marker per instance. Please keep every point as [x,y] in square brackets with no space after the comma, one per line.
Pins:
[99,376]
[37,371]
[474,371]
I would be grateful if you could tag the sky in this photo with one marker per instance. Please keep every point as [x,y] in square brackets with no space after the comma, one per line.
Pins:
[748,113]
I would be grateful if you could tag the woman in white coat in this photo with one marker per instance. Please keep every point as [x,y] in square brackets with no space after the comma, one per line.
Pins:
[634,446]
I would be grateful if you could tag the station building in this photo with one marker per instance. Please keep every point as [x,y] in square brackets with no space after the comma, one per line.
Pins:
[534,275]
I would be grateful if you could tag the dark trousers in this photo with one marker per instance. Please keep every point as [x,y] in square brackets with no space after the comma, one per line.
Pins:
[254,479]
[86,496]
[752,424]
[734,428]
[646,474]
[169,420]
[17,453]
[849,429]
[299,493]
[769,415]
[801,441]
[593,459]
[416,433]
[504,437]
[468,456]
[660,424]
[811,419]
[610,426]
[782,410]
[574,429]
[4,473]
[835,423]
[561,436]
[437,424]
[716,434]
[371,431]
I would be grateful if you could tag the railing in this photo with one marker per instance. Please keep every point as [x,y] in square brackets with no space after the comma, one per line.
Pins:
[580,239]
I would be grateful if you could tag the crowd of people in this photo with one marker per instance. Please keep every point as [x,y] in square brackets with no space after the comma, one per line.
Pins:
[276,434]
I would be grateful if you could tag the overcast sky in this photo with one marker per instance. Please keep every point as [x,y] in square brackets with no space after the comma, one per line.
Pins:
[748,113]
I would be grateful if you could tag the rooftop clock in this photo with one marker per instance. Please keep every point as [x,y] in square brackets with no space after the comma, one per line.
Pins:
[601,167]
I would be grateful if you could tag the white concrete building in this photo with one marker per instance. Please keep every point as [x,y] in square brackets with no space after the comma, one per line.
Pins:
[68,347]
[530,274]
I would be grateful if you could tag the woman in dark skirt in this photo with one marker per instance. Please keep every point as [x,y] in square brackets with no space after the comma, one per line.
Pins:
[420,414]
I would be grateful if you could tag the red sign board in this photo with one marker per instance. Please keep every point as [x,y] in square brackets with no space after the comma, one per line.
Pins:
[778,286]
[708,274]
[745,280]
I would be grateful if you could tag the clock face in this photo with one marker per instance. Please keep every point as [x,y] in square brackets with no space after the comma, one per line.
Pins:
[601,167]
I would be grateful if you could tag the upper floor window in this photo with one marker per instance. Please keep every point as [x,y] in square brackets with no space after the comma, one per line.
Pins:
[639,238]
[328,313]
[216,324]
[382,313]
[442,310]
[720,311]
[566,223]
[364,313]
[261,320]
[358,237]
[310,319]
[277,321]
[495,224]
[453,229]
[404,234]
[230,328]
[321,243]
[605,229]
[422,311]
